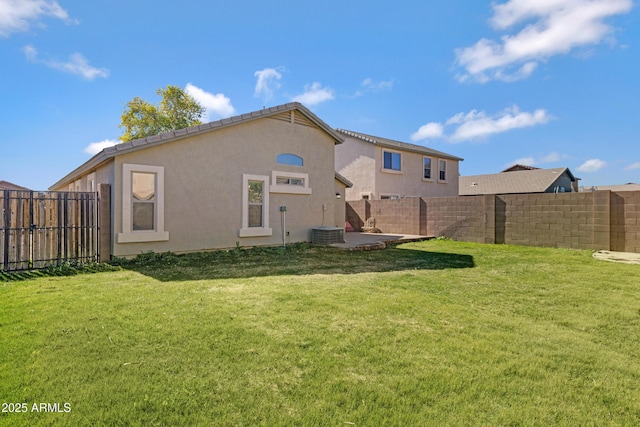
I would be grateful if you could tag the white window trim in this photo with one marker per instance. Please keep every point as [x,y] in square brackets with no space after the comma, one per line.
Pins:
[446,171]
[91,177]
[289,189]
[128,235]
[393,171]
[423,178]
[247,231]
[368,194]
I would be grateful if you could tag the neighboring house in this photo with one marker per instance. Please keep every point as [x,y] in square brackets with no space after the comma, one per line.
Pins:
[520,179]
[6,185]
[381,168]
[248,180]
[621,187]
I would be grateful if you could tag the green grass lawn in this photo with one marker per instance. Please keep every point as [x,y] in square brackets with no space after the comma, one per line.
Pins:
[431,333]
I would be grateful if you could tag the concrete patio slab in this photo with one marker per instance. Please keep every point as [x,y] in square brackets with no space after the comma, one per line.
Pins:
[624,257]
[369,241]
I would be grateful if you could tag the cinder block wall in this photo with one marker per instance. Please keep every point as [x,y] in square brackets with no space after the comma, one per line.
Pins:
[625,221]
[597,220]
[397,216]
[459,218]
[570,220]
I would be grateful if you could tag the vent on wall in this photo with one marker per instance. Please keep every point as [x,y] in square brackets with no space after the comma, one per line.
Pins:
[327,235]
[294,118]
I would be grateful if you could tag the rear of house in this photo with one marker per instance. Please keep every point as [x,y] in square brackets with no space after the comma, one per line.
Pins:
[262,178]
[381,168]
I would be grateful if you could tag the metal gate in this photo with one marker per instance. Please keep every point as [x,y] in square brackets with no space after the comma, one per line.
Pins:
[42,229]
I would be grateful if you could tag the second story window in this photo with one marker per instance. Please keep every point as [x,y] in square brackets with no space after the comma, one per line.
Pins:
[442,170]
[426,168]
[391,160]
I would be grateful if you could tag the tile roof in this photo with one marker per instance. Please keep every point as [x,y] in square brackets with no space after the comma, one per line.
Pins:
[6,185]
[519,167]
[621,187]
[142,143]
[344,180]
[523,181]
[397,145]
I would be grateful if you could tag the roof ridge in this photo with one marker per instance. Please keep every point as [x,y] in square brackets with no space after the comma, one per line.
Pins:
[174,135]
[398,145]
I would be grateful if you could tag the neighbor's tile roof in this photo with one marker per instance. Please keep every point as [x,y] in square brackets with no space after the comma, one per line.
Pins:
[6,185]
[621,187]
[397,145]
[524,181]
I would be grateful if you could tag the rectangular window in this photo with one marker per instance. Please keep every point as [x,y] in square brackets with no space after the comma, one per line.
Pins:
[256,197]
[255,206]
[442,170]
[143,193]
[283,180]
[426,168]
[289,183]
[142,204]
[391,160]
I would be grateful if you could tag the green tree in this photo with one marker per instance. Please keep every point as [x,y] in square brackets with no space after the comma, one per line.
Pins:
[177,110]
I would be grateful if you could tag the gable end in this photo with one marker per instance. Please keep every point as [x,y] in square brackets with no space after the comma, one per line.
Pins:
[294,117]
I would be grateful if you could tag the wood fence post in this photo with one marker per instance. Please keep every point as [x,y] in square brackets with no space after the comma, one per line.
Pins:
[104,222]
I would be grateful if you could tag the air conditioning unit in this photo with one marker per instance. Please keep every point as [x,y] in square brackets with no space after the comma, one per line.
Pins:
[327,235]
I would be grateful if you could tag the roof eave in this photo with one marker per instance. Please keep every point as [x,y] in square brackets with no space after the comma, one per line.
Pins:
[90,164]
[142,143]
[403,146]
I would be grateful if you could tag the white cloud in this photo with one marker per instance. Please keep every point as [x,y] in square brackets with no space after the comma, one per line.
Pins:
[314,94]
[369,85]
[430,130]
[267,84]
[478,125]
[527,161]
[18,15]
[552,157]
[96,147]
[633,166]
[554,27]
[217,105]
[592,165]
[77,64]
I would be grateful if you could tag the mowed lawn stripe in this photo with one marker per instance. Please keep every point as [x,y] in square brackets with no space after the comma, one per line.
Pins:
[428,333]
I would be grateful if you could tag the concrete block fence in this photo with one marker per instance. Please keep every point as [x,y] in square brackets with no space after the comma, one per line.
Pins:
[600,220]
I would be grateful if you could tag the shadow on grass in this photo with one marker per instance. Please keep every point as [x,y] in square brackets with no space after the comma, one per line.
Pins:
[298,259]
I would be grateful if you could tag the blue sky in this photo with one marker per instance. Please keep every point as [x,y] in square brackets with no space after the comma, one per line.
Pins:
[549,83]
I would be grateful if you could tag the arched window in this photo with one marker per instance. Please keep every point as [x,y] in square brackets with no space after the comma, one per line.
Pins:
[289,159]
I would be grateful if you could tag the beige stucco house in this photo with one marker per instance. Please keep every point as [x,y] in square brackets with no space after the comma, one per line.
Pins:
[381,168]
[263,178]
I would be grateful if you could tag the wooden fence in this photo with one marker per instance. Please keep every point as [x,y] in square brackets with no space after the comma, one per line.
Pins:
[42,229]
